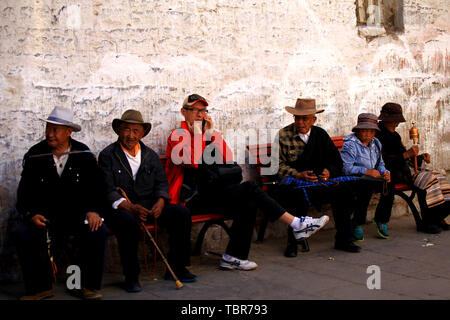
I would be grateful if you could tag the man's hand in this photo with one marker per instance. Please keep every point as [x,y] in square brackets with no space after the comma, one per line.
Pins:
[411,152]
[307,176]
[209,123]
[158,207]
[39,221]
[325,175]
[387,176]
[141,212]
[426,157]
[373,173]
[136,209]
[94,220]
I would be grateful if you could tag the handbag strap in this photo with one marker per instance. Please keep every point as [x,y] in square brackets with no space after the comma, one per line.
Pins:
[379,155]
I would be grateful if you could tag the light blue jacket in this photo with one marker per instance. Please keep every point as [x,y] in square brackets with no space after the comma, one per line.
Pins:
[358,158]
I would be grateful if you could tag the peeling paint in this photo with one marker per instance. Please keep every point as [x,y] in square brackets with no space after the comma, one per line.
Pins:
[250,59]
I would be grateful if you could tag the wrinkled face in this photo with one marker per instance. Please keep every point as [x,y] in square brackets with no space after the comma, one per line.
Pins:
[365,135]
[130,135]
[196,112]
[304,123]
[390,125]
[57,136]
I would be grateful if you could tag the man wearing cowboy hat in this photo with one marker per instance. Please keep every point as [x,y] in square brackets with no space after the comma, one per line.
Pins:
[361,154]
[59,192]
[136,169]
[307,153]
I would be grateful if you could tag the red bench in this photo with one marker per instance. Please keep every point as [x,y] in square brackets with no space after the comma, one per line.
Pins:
[265,150]
[208,220]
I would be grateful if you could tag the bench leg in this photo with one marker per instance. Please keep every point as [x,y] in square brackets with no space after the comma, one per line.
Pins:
[409,201]
[305,245]
[262,230]
[201,235]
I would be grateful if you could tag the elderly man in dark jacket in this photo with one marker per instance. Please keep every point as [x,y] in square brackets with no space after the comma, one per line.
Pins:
[132,170]
[307,153]
[59,193]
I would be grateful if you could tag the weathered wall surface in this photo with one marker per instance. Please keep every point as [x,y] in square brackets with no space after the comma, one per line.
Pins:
[250,58]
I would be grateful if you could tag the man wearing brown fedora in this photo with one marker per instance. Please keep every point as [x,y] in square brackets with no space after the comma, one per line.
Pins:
[129,165]
[59,199]
[307,153]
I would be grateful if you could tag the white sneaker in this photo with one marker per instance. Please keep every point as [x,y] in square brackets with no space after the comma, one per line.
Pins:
[309,226]
[229,263]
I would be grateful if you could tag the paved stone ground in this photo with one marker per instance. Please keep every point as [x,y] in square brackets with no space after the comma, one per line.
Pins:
[413,266]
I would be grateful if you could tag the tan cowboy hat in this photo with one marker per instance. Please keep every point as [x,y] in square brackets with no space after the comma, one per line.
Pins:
[63,117]
[133,117]
[304,107]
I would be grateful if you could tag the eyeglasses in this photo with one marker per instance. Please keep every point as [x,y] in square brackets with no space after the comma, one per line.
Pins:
[196,110]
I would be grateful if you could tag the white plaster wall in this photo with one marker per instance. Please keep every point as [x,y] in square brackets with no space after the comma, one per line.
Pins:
[249,58]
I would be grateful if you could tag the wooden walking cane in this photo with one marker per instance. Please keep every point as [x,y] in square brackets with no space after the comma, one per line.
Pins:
[414,136]
[177,282]
[49,251]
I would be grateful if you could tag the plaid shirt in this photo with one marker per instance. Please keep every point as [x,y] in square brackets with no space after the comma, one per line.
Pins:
[291,147]
[296,156]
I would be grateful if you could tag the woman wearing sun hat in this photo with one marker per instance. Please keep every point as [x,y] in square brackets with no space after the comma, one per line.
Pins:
[361,154]
[433,189]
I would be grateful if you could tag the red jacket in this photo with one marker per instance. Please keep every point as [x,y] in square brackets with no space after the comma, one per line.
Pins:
[186,154]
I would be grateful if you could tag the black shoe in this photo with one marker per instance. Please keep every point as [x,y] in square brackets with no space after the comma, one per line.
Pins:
[184,275]
[347,246]
[291,251]
[444,225]
[429,228]
[132,286]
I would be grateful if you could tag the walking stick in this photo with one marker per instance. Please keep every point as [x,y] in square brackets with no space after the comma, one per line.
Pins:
[49,251]
[177,282]
[414,136]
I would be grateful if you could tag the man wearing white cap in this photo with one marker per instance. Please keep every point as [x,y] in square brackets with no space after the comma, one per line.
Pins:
[58,197]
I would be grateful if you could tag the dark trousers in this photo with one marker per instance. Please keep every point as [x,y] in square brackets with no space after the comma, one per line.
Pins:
[363,190]
[126,227]
[240,201]
[34,259]
[432,215]
[340,197]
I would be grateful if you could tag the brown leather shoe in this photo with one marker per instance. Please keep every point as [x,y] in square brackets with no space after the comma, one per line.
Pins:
[39,296]
[86,294]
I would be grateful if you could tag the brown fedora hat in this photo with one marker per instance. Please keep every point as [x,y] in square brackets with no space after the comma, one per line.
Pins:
[133,117]
[391,112]
[367,121]
[304,107]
